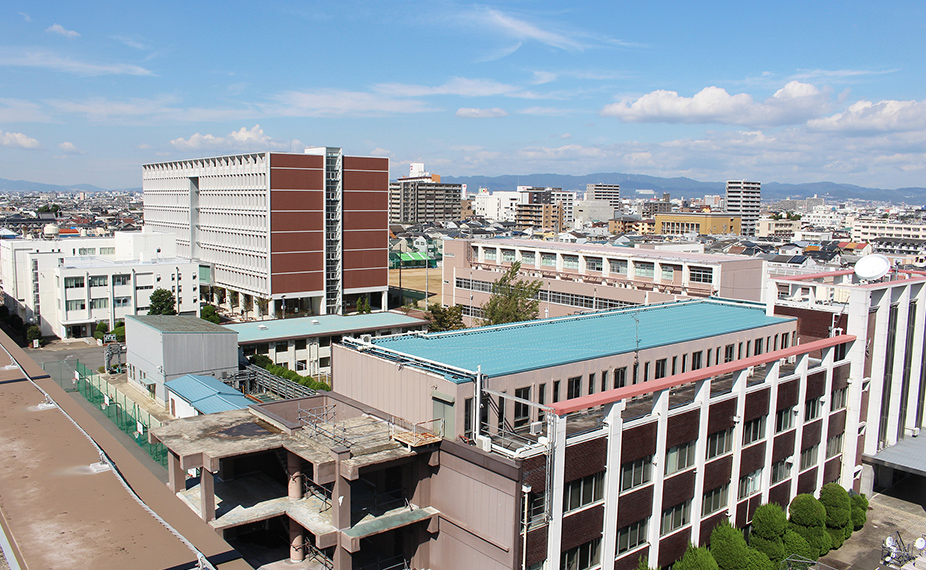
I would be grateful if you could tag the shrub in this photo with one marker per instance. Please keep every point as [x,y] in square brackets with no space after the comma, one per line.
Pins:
[838,506]
[795,544]
[859,511]
[120,333]
[730,551]
[208,313]
[769,525]
[33,333]
[643,563]
[808,519]
[696,558]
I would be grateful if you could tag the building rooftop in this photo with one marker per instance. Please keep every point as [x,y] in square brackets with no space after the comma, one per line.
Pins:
[531,345]
[179,324]
[322,325]
[603,249]
[97,261]
[207,394]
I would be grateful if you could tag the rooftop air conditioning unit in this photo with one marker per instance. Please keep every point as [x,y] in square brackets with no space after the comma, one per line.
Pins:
[484,443]
[536,428]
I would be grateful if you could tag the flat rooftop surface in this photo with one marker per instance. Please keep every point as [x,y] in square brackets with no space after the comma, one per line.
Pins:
[615,251]
[179,324]
[518,347]
[322,325]
[907,455]
[62,513]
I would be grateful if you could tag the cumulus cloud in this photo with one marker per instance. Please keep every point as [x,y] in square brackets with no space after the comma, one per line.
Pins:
[252,139]
[472,113]
[69,148]
[60,30]
[17,140]
[794,103]
[869,117]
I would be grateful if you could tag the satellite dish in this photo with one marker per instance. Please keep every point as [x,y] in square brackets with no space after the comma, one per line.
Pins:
[920,543]
[871,267]
[889,542]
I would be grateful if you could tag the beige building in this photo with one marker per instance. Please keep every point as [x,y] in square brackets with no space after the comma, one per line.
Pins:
[778,228]
[697,223]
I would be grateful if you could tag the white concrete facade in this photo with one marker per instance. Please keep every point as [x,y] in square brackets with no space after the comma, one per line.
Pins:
[744,198]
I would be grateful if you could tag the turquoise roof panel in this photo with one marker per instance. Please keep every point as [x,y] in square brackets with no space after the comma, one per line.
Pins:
[321,325]
[519,347]
[207,394]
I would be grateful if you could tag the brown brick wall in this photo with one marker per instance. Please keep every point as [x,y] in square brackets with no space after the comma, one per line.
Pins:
[586,458]
[718,472]
[752,458]
[682,428]
[582,526]
[638,442]
[841,376]
[837,423]
[678,489]
[672,547]
[816,385]
[831,469]
[537,545]
[812,432]
[783,446]
[788,394]
[807,481]
[720,415]
[635,506]
[708,524]
[630,561]
[780,494]
[756,405]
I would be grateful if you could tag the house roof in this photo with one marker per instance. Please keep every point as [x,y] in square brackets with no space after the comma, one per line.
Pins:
[207,394]
[322,325]
[531,345]
[179,324]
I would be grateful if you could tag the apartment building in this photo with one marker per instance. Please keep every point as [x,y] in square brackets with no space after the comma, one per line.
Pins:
[768,227]
[305,231]
[497,206]
[422,198]
[632,435]
[868,230]
[589,277]
[609,192]
[744,198]
[683,223]
[887,316]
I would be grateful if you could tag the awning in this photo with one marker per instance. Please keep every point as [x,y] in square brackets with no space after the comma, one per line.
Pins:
[413,256]
[907,455]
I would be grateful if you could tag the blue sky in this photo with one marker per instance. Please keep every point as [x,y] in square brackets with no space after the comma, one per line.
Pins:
[774,91]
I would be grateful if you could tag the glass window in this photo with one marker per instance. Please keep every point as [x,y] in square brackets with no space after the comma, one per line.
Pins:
[644,269]
[839,398]
[812,409]
[758,346]
[667,272]
[715,500]
[631,536]
[750,483]
[121,279]
[73,282]
[784,419]
[695,360]
[299,344]
[591,383]
[618,266]
[728,353]
[107,251]
[76,305]
[620,377]
[574,388]
[719,443]
[527,258]
[548,259]
[680,457]
[676,517]
[701,274]
[780,472]
[521,410]
[583,492]
[121,302]
[636,473]
[834,446]
[102,303]
[508,255]
[570,262]
[660,369]
[490,253]
[809,456]
[98,281]
[582,557]
[754,430]
[593,264]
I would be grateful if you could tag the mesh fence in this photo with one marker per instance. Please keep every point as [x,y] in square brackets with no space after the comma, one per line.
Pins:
[119,408]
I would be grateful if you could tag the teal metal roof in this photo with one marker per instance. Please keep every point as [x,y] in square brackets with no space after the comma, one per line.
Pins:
[207,394]
[531,345]
[322,325]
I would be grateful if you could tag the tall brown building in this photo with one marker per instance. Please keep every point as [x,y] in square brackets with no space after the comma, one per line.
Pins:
[305,231]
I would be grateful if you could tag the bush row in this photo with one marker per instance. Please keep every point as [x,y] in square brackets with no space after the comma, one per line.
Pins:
[268,365]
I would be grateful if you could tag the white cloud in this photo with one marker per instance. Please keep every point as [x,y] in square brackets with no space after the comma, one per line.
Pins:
[545,111]
[60,30]
[838,74]
[523,30]
[25,16]
[541,77]
[17,140]
[461,86]
[69,148]
[49,60]
[472,113]
[253,139]
[794,103]
[132,43]
[868,117]
[338,103]
[21,111]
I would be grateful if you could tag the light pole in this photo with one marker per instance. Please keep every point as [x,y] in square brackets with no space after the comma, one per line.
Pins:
[283,306]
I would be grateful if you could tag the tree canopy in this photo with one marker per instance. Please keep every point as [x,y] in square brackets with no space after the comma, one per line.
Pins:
[444,318]
[512,299]
[208,313]
[162,303]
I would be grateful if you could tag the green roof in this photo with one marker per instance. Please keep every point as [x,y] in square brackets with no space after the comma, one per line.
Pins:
[531,345]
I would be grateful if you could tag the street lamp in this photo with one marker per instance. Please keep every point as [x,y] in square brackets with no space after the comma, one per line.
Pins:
[283,305]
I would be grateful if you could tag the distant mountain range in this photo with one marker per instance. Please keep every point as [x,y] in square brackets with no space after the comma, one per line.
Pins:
[676,187]
[689,188]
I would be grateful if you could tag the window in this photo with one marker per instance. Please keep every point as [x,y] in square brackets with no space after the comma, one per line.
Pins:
[591,383]
[521,410]
[582,557]
[719,443]
[758,346]
[667,272]
[324,341]
[508,255]
[618,266]
[780,471]
[604,380]
[555,391]
[660,369]
[728,353]
[631,536]
[620,377]
[695,360]
[754,430]
[809,456]
[121,302]
[98,281]
[324,362]
[491,254]
[839,398]
[644,269]
[574,388]
[636,473]
[99,303]
[701,274]
[583,492]
[593,264]
[570,262]
[86,251]
[784,419]
[750,483]
[76,305]
[73,282]
[107,251]
[680,457]
[548,259]
[527,258]
[121,279]
[299,344]
[812,409]
[675,518]
[834,446]
[715,499]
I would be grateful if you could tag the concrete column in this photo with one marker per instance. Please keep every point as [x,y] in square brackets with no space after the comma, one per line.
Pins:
[175,473]
[296,542]
[207,495]
[340,496]
[343,560]
[661,411]
[612,488]
[703,400]
[294,469]
[556,430]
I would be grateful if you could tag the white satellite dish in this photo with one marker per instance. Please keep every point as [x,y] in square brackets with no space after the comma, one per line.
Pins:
[920,543]
[871,267]
[889,542]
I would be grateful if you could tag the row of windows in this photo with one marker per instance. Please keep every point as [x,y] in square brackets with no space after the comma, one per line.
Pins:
[583,492]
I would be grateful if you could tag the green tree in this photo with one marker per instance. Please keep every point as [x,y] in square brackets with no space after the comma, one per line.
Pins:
[101,329]
[807,517]
[49,208]
[769,524]
[262,305]
[208,313]
[33,333]
[643,563]
[233,298]
[161,303]
[838,506]
[859,511]
[731,552]
[512,299]
[795,544]
[444,319]
[696,558]
[219,294]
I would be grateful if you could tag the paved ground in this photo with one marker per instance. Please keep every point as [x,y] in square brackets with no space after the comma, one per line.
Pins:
[901,508]
[415,279]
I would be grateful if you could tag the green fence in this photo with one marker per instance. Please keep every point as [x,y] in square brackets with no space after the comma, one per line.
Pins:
[120,409]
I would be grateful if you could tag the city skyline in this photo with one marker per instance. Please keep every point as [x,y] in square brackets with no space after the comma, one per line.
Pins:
[788,92]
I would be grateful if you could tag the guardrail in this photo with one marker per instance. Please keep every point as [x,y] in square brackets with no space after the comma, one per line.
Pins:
[256,379]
